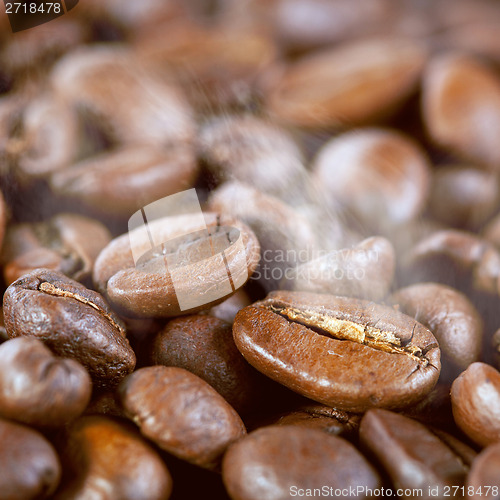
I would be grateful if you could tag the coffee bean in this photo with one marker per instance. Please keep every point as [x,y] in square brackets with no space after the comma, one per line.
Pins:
[72,321]
[294,460]
[227,310]
[484,480]
[37,388]
[451,317]
[463,450]
[150,289]
[475,398]
[181,413]
[204,346]
[412,455]
[29,464]
[107,459]
[346,353]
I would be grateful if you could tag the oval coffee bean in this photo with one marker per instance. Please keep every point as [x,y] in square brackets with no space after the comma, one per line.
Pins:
[278,463]
[29,464]
[38,388]
[411,454]
[475,399]
[196,271]
[72,321]
[346,353]
[204,346]
[181,413]
[107,459]
[484,477]
[451,317]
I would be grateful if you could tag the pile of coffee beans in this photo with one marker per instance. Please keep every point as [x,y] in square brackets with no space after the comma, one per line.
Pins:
[320,318]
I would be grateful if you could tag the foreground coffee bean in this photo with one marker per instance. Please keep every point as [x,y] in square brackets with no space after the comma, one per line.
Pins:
[147,288]
[37,388]
[294,461]
[72,321]
[108,459]
[181,413]
[451,317]
[475,398]
[346,353]
[484,480]
[412,455]
[29,464]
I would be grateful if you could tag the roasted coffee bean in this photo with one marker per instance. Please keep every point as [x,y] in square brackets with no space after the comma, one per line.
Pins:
[181,413]
[68,243]
[475,398]
[346,353]
[484,480]
[495,341]
[228,309]
[124,180]
[451,317]
[37,388]
[411,454]
[108,459]
[294,460]
[349,84]
[379,175]
[149,288]
[29,464]
[204,346]
[463,450]
[72,321]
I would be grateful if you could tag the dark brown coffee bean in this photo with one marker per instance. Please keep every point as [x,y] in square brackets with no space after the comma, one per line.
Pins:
[29,464]
[484,477]
[451,317]
[475,398]
[105,403]
[181,413]
[72,321]
[463,450]
[107,459]
[346,353]
[204,346]
[149,288]
[37,388]
[68,243]
[282,462]
[124,180]
[412,455]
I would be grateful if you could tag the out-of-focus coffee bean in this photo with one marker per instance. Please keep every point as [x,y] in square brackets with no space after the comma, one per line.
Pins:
[253,151]
[461,107]
[124,180]
[129,103]
[475,398]
[227,310]
[495,341]
[346,353]
[463,196]
[411,454]
[204,346]
[29,464]
[72,321]
[491,232]
[365,271]
[350,84]
[68,243]
[105,403]
[107,459]
[463,450]
[37,388]
[294,459]
[451,317]
[3,218]
[381,176]
[483,481]
[147,288]
[181,413]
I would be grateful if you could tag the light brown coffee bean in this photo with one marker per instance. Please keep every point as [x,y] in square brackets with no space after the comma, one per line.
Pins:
[294,460]
[346,353]
[37,388]
[475,398]
[181,413]
[484,478]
